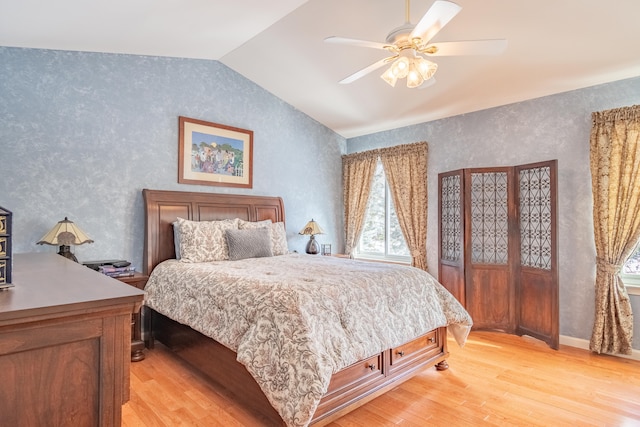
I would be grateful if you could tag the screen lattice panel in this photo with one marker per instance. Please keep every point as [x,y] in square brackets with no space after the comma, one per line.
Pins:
[489,218]
[451,221]
[535,217]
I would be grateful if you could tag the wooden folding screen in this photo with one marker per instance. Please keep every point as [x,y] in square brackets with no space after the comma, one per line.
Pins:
[498,249]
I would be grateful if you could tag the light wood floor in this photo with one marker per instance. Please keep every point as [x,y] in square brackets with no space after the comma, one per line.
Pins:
[495,380]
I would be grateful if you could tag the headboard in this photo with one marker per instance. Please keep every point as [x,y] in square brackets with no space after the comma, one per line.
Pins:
[162,208]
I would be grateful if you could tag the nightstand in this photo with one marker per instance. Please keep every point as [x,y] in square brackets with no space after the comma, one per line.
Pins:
[138,280]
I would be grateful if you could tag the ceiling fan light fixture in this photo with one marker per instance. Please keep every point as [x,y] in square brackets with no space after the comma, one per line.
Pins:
[409,43]
[415,69]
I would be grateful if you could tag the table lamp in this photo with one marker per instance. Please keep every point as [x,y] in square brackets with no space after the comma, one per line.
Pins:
[65,233]
[312,228]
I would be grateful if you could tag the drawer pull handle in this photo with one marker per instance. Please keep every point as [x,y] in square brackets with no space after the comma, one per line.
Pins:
[372,366]
[432,339]
[400,353]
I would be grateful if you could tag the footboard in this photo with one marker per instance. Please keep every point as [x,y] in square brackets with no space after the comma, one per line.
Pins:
[349,388]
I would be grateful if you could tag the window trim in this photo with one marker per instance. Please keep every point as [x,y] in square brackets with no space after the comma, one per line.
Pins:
[631,283]
[394,259]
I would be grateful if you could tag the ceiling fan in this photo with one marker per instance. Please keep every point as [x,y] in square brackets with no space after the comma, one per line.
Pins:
[409,47]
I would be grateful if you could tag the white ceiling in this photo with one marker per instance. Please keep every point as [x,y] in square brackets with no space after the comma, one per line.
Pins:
[553,46]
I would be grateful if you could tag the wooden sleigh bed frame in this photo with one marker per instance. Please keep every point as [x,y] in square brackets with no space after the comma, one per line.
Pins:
[349,388]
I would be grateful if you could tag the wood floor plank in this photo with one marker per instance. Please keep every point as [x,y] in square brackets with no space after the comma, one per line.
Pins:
[495,380]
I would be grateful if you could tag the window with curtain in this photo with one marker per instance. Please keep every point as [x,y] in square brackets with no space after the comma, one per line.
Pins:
[381,235]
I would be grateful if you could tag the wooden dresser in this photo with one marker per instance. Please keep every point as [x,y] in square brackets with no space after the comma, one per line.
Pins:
[65,344]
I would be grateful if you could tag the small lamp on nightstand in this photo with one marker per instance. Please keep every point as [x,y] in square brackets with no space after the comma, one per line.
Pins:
[311,229]
[65,233]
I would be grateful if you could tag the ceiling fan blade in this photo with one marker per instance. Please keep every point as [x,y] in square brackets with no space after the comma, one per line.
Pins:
[472,47]
[355,42]
[438,15]
[358,74]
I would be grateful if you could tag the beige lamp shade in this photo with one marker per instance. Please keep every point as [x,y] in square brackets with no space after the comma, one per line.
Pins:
[65,233]
[311,228]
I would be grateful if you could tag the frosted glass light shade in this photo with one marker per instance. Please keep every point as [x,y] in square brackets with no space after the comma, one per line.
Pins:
[401,67]
[389,77]
[414,79]
[426,68]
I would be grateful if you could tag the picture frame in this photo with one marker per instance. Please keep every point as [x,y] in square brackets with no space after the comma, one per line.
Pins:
[214,154]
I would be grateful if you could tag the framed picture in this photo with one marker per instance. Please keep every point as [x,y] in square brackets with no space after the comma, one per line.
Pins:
[213,154]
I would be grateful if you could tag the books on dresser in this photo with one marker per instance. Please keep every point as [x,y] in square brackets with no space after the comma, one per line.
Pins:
[6,263]
[117,271]
[112,268]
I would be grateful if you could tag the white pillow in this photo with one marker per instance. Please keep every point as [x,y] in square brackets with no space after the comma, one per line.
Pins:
[204,241]
[245,225]
[279,239]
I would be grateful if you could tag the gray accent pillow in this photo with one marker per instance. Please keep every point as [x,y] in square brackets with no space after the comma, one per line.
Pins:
[277,231]
[250,243]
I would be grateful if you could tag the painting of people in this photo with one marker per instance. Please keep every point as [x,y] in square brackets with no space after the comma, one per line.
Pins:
[214,154]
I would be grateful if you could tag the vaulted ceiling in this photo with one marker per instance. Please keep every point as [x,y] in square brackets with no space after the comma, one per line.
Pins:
[553,46]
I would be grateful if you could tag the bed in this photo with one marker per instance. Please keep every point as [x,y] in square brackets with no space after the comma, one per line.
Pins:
[301,399]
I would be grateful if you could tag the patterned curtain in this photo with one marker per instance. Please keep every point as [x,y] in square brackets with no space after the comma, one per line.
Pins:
[405,167]
[615,176]
[357,175]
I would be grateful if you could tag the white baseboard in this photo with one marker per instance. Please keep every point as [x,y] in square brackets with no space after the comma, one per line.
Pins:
[584,344]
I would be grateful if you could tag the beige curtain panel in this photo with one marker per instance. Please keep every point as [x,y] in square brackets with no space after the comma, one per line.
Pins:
[405,167]
[357,175]
[615,176]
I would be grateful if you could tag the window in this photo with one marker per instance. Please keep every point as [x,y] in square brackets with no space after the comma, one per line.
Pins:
[632,266]
[631,272]
[381,235]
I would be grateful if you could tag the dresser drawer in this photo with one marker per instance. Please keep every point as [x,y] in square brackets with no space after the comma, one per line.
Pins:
[422,347]
[359,372]
[351,383]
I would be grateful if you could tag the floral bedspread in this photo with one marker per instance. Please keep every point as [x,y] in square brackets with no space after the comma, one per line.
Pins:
[296,319]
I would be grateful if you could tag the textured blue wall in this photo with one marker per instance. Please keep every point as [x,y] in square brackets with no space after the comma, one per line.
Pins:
[81,134]
[553,127]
